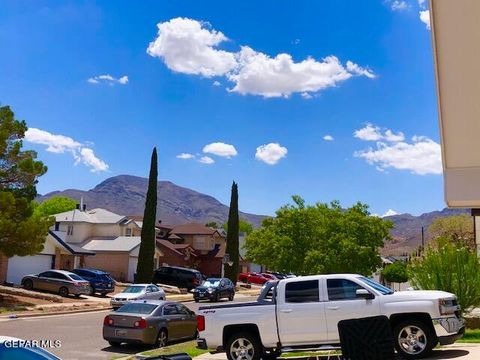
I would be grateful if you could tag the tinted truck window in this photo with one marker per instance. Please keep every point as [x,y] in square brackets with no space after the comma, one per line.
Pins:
[302,291]
[342,289]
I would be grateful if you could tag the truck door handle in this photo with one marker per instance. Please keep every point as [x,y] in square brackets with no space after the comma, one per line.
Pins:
[332,307]
[286,310]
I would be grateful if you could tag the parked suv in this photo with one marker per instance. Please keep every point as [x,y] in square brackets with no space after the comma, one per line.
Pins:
[178,276]
[100,281]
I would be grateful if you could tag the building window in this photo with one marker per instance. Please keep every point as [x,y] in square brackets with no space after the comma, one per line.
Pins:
[70,230]
[128,232]
[199,243]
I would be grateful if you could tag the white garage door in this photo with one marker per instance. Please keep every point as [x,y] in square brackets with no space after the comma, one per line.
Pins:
[132,268]
[19,266]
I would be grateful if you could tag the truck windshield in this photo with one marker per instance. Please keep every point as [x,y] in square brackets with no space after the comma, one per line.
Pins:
[380,288]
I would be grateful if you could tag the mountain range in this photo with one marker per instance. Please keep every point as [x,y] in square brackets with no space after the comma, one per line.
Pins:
[125,195]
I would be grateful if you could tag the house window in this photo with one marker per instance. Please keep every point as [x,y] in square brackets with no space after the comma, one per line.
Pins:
[199,243]
[70,230]
[128,232]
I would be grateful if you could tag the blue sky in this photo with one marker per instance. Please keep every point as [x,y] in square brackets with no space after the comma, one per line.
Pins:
[248,90]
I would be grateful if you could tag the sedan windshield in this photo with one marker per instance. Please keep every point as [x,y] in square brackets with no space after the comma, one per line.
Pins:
[134,308]
[133,289]
[380,288]
[211,282]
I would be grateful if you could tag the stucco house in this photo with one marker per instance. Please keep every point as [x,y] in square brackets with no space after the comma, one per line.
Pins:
[207,245]
[95,238]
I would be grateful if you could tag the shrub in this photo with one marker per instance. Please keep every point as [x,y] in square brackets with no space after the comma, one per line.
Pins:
[396,272]
[451,268]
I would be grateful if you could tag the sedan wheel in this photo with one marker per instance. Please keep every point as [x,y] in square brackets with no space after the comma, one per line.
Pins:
[63,291]
[162,339]
[28,284]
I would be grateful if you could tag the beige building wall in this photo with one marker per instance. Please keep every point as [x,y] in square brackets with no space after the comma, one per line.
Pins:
[114,263]
[81,231]
[106,230]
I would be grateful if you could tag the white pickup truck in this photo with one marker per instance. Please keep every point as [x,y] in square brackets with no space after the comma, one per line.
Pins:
[303,313]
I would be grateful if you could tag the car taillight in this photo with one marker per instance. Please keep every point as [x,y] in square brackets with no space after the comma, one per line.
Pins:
[108,321]
[200,323]
[195,281]
[140,324]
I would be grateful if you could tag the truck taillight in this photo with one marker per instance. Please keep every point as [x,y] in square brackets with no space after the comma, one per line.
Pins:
[108,321]
[140,324]
[200,322]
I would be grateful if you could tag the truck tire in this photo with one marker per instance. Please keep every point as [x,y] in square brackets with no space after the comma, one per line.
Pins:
[244,346]
[414,339]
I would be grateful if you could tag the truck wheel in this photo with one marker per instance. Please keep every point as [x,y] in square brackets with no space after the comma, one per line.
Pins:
[413,339]
[244,346]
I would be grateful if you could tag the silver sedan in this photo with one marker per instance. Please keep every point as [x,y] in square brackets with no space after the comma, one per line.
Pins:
[137,292]
[150,322]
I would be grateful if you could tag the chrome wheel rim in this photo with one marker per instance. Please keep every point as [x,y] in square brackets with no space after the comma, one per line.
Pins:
[242,349]
[412,340]
[162,339]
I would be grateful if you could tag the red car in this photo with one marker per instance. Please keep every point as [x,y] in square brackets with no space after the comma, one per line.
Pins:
[253,278]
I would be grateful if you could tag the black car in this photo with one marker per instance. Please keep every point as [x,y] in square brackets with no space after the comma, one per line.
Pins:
[214,289]
[100,281]
[178,276]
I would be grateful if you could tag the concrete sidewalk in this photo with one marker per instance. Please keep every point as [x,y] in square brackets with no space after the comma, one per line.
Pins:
[455,351]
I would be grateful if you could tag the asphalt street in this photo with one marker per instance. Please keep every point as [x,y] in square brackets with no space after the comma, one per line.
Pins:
[80,334]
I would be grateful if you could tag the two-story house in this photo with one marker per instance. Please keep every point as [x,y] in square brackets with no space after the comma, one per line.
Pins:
[208,245]
[95,238]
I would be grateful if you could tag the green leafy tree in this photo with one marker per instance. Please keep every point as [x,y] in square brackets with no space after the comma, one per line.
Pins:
[396,272]
[21,231]
[232,249]
[147,245]
[449,267]
[319,239]
[212,224]
[244,226]
[55,205]
[456,228]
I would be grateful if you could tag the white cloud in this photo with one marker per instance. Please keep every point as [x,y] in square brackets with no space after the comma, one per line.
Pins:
[206,160]
[425,18]
[87,157]
[392,137]
[422,156]
[60,144]
[220,149]
[216,83]
[390,212]
[374,133]
[191,47]
[421,3]
[185,156]
[368,133]
[398,5]
[270,153]
[280,76]
[328,138]
[108,79]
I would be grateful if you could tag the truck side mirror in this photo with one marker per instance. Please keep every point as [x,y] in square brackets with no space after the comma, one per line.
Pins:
[365,294]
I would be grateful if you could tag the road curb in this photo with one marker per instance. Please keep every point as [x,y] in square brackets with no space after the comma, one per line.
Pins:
[63,312]
[20,316]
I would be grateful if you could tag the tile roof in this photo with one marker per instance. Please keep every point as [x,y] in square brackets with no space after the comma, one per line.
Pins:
[168,245]
[60,237]
[94,216]
[193,229]
[121,243]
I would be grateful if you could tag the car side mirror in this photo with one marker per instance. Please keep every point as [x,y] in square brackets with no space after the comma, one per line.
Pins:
[365,294]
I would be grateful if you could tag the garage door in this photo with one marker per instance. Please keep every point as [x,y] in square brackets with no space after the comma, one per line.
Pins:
[19,266]
[132,268]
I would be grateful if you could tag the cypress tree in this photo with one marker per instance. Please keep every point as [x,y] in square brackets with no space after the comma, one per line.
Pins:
[232,249]
[147,245]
